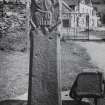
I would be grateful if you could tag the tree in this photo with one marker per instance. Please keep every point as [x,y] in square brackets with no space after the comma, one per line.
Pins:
[103,18]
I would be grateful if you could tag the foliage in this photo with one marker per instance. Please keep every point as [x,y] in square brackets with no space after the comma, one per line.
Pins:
[13,28]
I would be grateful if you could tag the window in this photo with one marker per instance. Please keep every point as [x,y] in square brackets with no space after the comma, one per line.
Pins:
[66,23]
[77,22]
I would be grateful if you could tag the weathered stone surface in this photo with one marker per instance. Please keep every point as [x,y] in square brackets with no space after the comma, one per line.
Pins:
[44,78]
[44,84]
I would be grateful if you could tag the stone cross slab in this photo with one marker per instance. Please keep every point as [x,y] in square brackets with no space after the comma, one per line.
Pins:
[44,88]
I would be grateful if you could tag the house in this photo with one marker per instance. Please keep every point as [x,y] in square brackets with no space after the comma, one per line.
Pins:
[78,14]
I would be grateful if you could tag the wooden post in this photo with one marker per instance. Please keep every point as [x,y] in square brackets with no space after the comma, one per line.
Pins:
[44,86]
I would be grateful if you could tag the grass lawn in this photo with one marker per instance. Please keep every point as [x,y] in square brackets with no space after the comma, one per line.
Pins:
[14,74]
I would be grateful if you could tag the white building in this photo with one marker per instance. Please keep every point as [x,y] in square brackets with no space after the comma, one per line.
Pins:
[85,6]
[79,13]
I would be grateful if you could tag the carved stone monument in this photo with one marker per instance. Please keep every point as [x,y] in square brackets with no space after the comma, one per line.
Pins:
[44,85]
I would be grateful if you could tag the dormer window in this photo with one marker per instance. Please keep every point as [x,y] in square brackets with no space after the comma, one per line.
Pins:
[72,7]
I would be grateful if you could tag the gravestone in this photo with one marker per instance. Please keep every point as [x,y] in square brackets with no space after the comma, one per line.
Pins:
[44,85]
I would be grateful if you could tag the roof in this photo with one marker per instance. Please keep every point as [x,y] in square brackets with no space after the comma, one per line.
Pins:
[67,6]
[75,2]
[71,2]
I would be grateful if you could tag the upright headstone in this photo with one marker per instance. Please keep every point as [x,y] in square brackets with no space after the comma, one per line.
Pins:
[44,86]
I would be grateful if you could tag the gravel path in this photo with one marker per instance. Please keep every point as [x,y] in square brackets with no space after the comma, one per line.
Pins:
[74,59]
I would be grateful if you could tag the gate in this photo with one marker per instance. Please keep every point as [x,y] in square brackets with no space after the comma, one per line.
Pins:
[75,26]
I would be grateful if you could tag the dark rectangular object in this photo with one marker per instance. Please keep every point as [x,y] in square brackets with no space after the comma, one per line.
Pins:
[89,85]
[66,23]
